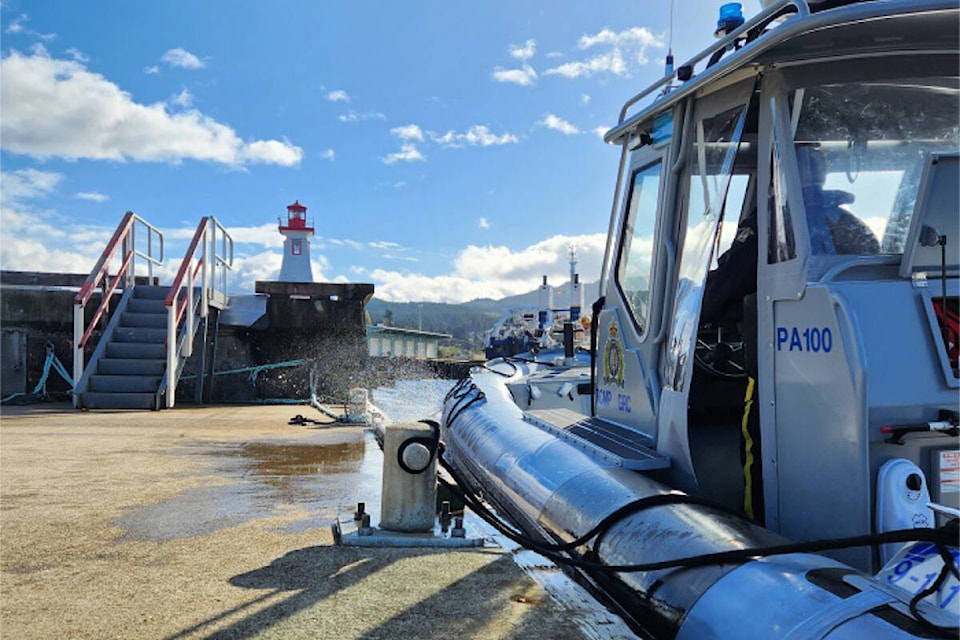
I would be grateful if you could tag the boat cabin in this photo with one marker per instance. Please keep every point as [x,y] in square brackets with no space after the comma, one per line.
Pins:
[780,291]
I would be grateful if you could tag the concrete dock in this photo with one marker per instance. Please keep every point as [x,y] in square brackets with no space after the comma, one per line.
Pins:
[214,522]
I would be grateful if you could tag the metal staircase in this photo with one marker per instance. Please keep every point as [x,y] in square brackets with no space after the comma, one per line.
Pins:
[150,335]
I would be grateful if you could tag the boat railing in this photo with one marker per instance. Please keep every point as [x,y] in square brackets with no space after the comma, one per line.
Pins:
[765,16]
[203,271]
[130,243]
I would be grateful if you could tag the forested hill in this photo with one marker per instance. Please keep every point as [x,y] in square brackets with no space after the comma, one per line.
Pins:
[467,322]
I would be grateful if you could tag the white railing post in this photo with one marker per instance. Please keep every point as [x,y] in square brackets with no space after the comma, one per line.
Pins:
[209,236]
[171,354]
[187,350]
[130,246]
[78,363]
[150,259]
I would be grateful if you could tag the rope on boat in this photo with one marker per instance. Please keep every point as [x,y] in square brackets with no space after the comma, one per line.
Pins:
[51,362]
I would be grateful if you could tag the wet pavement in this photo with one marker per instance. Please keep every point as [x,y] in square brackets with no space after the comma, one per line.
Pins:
[214,522]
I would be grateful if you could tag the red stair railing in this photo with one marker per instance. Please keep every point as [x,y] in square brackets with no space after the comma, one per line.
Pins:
[128,241]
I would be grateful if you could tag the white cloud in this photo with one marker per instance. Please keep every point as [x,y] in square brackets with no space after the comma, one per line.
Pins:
[556,123]
[408,132]
[265,235]
[152,70]
[182,58]
[92,196]
[477,135]
[600,131]
[584,98]
[634,37]
[183,99]
[78,55]
[625,47]
[407,153]
[384,245]
[328,154]
[523,51]
[338,96]
[33,240]
[524,76]
[495,272]
[350,244]
[352,116]
[57,108]
[27,184]
[16,25]
[611,62]
[483,223]
[270,152]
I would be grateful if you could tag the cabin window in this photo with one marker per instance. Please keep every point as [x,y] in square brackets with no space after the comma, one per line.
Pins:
[717,139]
[636,254]
[782,246]
[860,148]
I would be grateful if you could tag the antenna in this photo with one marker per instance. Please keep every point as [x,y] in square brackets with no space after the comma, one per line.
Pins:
[668,66]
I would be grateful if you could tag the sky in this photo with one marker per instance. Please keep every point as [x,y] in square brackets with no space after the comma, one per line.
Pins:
[446,151]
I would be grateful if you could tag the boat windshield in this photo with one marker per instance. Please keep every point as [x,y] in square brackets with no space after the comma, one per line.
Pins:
[860,150]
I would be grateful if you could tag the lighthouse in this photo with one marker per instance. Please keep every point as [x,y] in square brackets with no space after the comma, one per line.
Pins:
[296,245]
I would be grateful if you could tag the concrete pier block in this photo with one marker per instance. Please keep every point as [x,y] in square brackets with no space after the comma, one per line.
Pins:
[409,493]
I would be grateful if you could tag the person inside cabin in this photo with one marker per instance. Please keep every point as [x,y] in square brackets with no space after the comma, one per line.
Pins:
[833,229]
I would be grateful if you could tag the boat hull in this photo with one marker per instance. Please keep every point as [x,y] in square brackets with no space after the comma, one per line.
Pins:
[556,492]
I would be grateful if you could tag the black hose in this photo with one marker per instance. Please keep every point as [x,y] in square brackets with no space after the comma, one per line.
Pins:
[935,536]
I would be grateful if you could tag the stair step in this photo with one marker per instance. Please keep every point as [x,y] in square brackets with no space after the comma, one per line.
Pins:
[145,292]
[124,384]
[147,305]
[139,334]
[98,400]
[136,350]
[131,366]
[137,319]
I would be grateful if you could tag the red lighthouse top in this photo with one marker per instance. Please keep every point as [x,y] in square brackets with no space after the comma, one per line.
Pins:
[296,218]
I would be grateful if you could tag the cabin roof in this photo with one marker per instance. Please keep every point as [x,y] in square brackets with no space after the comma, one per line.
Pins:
[868,27]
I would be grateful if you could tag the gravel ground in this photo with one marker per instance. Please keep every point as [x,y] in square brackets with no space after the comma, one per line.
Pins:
[213,522]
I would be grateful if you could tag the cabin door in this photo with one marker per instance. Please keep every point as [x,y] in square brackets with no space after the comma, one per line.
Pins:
[711,195]
[627,345]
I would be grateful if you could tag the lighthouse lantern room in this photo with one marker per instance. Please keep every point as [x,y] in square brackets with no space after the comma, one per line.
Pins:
[296,245]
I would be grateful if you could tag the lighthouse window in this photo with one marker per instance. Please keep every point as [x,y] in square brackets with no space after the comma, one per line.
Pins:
[296,246]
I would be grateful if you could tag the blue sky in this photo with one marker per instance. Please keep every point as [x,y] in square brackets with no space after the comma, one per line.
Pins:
[446,151]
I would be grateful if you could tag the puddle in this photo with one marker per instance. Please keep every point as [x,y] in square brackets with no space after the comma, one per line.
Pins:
[265,479]
[269,478]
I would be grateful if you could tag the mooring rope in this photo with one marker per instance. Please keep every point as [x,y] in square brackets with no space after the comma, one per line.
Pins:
[52,361]
[255,370]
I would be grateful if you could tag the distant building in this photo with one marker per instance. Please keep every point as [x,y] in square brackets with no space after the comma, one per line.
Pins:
[409,343]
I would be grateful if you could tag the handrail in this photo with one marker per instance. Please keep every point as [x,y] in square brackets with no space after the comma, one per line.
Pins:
[767,14]
[125,239]
[209,266]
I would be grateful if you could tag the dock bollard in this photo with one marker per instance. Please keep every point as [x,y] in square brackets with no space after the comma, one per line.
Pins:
[358,410]
[409,493]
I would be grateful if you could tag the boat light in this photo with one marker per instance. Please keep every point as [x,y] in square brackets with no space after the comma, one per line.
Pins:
[731,17]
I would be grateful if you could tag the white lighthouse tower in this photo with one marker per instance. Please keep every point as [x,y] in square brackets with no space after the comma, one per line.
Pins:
[296,246]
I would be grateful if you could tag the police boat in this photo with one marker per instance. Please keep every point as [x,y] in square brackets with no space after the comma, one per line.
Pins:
[763,442]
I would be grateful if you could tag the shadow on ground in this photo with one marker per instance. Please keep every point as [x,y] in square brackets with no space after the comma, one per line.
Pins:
[308,597]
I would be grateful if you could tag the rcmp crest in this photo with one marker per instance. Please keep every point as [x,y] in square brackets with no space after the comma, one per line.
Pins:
[613,358]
